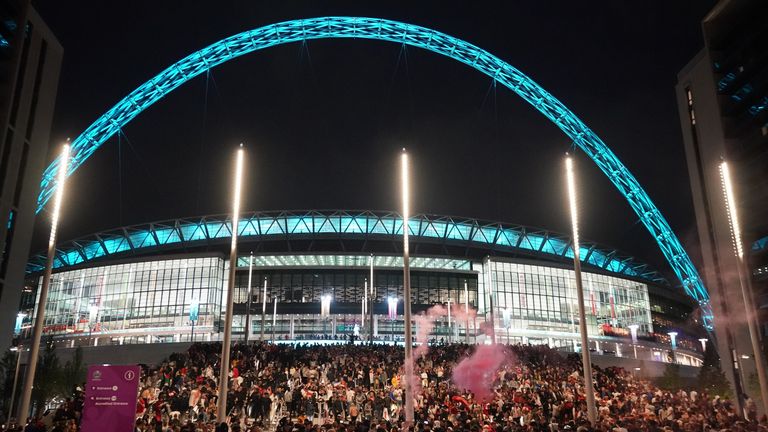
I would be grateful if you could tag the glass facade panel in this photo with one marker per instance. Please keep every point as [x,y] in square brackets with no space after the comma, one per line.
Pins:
[531,297]
[122,298]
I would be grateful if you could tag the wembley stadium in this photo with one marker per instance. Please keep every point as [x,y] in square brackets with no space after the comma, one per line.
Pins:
[164,282]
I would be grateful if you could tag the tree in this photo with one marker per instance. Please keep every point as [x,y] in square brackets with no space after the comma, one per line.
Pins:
[7,372]
[711,378]
[73,373]
[47,378]
[671,379]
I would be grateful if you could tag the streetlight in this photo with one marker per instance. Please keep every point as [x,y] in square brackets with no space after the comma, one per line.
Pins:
[703,342]
[325,309]
[449,319]
[392,303]
[673,342]
[363,309]
[17,330]
[274,318]
[194,312]
[370,306]
[585,358]
[633,331]
[34,348]
[745,280]
[221,409]
[466,311]
[407,292]
[248,303]
[264,307]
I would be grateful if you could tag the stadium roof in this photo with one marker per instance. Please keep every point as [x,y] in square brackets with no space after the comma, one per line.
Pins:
[188,233]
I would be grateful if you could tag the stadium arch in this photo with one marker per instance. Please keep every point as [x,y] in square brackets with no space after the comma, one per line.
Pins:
[413,35]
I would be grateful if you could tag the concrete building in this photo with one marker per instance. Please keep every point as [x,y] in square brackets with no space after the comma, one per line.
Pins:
[722,97]
[30,60]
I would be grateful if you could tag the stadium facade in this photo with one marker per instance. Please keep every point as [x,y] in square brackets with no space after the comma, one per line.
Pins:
[146,284]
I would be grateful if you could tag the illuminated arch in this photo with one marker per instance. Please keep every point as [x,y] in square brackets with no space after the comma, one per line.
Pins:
[381,29]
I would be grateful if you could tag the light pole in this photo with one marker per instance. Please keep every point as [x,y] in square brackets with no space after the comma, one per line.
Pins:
[194,312]
[392,315]
[466,311]
[15,381]
[633,331]
[363,309]
[325,309]
[274,317]
[34,348]
[370,305]
[585,357]
[263,308]
[673,343]
[407,293]
[221,408]
[745,280]
[449,320]
[248,303]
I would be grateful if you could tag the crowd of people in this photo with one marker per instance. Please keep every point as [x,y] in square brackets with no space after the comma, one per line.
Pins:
[359,388]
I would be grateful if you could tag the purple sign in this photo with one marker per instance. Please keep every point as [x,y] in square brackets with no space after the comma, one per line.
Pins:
[110,398]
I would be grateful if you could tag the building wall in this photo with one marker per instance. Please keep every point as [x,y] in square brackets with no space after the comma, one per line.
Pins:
[722,97]
[30,77]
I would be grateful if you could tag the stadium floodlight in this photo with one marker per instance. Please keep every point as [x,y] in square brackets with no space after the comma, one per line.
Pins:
[585,357]
[703,342]
[248,303]
[745,279]
[405,187]
[34,348]
[221,408]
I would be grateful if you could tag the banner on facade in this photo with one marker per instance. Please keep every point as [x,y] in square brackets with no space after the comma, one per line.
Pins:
[110,398]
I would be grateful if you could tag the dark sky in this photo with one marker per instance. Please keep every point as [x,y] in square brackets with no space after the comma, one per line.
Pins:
[324,121]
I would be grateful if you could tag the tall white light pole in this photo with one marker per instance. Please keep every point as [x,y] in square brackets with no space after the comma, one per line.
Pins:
[263,308]
[34,348]
[363,306]
[673,343]
[274,318]
[370,305]
[466,311]
[221,409]
[407,292]
[585,357]
[449,319]
[248,303]
[633,332]
[745,280]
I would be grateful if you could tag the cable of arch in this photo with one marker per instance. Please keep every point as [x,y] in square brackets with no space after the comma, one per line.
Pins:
[393,31]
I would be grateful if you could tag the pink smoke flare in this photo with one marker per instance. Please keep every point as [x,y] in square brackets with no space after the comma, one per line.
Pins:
[477,372]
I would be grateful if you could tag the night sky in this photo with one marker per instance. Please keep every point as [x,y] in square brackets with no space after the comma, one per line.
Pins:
[324,121]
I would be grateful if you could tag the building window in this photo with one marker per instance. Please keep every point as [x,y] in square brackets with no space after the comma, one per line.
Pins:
[8,240]
[36,89]
[20,175]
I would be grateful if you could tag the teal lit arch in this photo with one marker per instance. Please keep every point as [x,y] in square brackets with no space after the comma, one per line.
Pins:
[386,30]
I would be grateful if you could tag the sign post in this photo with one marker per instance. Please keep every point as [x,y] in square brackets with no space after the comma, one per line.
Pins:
[110,398]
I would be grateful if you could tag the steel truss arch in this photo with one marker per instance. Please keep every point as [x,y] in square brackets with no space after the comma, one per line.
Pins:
[386,30]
